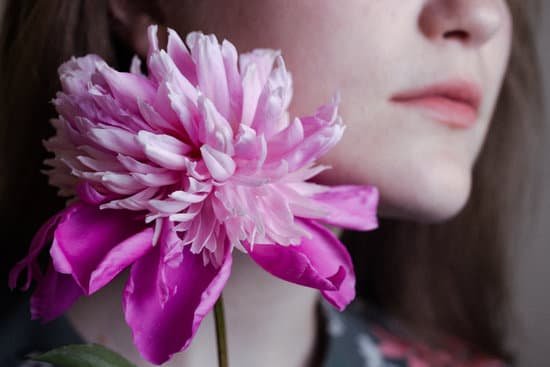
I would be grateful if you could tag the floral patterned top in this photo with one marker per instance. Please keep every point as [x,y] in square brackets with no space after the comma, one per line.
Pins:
[351,340]
[364,337]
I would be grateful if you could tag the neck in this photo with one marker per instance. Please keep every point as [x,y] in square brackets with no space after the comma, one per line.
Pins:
[269,322]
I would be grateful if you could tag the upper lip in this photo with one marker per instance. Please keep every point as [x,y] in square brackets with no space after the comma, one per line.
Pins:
[460,91]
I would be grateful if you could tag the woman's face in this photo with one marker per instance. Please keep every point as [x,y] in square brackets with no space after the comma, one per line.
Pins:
[418,80]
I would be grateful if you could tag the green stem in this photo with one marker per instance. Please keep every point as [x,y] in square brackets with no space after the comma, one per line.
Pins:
[220,333]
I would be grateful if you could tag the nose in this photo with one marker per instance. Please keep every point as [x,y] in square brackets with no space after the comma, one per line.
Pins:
[470,22]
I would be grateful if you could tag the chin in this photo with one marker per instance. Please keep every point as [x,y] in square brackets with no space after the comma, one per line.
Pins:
[431,195]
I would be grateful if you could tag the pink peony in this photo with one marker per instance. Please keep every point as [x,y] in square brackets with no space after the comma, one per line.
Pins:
[170,171]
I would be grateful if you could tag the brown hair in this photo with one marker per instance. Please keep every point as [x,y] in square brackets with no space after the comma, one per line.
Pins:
[448,277]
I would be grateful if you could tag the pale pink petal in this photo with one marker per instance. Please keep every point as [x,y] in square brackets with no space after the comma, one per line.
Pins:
[188,197]
[120,183]
[316,143]
[270,116]
[165,70]
[220,165]
[230,61]
[137,202]
[214,130]
[76,73]
[135,66]
[164,120]
[152,39]
[100,165]
[187,113]
[179,53]
[349,206]
[133,165]
[168,206]
[287,139]
[262,59]
[252,88]
[117,141]
[212,81]
[160,150]
[157,179]
[128,88]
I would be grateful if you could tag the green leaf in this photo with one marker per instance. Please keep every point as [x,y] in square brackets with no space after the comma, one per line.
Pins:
[83,355]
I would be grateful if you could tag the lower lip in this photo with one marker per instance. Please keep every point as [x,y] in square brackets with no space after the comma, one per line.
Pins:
[445,110]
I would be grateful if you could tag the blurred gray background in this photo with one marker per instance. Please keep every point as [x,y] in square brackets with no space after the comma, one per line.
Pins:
[532,282]
[531,287]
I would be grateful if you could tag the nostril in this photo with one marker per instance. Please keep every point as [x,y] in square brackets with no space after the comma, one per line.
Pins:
[458,34]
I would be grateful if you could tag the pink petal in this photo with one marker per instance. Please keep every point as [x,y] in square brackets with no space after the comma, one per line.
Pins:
[350,206]
[94,245]
[165,304]
[90,195]
[321,262]
[54,294]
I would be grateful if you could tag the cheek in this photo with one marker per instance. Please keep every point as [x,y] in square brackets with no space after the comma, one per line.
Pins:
[420,177]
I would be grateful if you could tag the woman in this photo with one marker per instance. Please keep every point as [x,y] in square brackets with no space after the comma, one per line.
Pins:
[419,83]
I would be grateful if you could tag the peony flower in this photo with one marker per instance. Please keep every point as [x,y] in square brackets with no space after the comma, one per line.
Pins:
[170,172]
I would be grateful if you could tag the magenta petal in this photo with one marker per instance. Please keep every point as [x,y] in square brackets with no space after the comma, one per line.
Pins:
[95,245]
[164,324]
[121,256]
[321,262]
[350,206]
[39,241]
[54,294]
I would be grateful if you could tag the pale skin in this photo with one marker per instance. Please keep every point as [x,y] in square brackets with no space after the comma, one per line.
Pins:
[368,50]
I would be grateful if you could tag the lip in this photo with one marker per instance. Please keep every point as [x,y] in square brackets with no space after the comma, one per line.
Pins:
[454,103]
